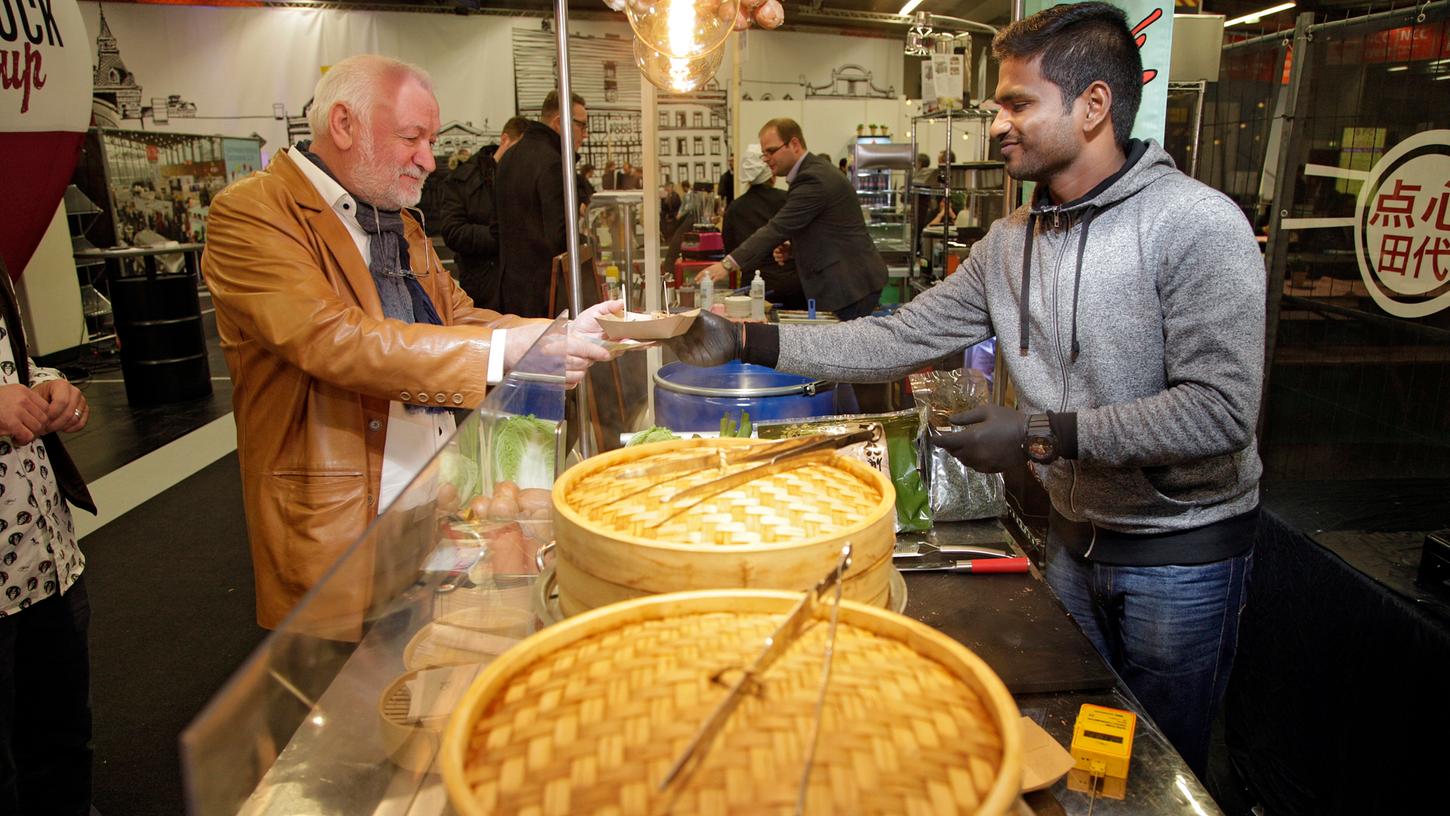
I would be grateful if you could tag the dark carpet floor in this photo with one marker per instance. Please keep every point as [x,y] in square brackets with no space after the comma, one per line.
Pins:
[172,617]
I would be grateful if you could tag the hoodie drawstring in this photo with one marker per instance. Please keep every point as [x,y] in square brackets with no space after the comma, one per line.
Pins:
[1023,306]
[1087,221]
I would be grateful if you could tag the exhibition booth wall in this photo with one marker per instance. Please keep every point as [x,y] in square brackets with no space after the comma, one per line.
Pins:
[235,71]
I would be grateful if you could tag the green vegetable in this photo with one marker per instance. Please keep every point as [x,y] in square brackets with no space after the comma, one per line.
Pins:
[654,434]
[464,468]
[743,430]
[523,452]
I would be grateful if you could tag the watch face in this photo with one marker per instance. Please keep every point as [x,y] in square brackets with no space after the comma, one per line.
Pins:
[1040,448]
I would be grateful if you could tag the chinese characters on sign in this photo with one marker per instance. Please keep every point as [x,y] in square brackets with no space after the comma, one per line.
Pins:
[1402,227]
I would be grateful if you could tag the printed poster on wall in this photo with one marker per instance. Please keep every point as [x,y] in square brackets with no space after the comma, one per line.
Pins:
[1152,24]
[1402,227]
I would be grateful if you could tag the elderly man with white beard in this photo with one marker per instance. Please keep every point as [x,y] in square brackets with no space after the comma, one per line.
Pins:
[347,341]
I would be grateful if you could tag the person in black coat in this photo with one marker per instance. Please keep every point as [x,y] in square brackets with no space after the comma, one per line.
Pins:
[529,191]
[753,210]
[837,262]
[468,217]
[726,188]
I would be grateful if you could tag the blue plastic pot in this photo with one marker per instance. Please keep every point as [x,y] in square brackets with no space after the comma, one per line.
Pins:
[688,398]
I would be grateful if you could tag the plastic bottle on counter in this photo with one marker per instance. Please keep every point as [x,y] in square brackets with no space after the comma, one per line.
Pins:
[707,293]
[611,281]
[757,297]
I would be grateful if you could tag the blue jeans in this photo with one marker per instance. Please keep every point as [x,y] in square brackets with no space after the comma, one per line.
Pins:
[1170,632]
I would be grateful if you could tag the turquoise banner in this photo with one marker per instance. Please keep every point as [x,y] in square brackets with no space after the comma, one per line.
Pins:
[1152,25]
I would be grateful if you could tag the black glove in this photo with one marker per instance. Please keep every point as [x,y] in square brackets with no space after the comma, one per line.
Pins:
[711,340]
[992,440]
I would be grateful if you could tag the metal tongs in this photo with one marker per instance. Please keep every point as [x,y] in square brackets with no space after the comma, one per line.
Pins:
[776,645]
[716,458]
[774,459]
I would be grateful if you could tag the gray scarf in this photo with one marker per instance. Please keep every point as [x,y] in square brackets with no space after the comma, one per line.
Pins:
[402,296]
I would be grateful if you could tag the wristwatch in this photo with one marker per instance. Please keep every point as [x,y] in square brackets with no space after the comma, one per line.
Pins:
[1039,443]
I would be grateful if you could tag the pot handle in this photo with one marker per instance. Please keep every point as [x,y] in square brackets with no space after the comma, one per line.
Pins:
[541,554]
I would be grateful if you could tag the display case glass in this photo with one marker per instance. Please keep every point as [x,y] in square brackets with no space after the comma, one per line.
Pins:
[340,709]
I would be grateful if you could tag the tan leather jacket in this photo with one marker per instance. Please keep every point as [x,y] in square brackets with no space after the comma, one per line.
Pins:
[314,365]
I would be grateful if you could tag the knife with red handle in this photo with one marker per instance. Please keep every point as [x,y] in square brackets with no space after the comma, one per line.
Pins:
[981,565]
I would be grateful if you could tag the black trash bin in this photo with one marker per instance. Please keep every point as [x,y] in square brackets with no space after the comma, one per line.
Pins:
[159,332]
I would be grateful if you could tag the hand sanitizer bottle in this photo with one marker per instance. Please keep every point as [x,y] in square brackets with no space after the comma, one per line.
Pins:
[757,297]
[707,293]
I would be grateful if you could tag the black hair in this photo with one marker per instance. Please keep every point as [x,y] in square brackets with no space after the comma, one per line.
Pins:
[1080,44]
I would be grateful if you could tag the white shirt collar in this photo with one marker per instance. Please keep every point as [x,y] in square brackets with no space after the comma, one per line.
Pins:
[797,168]
[333,193]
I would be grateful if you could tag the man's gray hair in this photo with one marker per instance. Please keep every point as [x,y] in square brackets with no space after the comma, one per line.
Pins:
[355,82]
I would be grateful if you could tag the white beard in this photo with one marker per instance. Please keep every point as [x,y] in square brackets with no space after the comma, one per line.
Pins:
[380,185]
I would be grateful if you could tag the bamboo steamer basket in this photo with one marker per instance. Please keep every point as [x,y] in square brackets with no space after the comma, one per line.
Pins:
[590,592]
[783,531]
[588,715]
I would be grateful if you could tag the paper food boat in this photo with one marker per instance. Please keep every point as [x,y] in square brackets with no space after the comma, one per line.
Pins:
[647,326]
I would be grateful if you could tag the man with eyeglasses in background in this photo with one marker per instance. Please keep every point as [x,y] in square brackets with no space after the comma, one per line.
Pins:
[820,225]
[531,213]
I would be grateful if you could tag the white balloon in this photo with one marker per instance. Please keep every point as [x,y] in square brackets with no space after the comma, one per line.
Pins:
[48,71]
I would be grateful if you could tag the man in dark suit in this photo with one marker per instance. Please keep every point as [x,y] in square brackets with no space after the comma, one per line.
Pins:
[753,210]
[469,217]
[530,196]
[839,266]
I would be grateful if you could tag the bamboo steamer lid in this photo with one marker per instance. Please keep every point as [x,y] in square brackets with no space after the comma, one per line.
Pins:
[588,716]
[782,531]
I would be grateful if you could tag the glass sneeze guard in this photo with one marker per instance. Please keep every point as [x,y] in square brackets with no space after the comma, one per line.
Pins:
[340,710]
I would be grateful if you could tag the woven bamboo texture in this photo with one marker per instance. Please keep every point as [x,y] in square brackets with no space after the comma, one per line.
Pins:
[783,531]
[815,501]
[587,717]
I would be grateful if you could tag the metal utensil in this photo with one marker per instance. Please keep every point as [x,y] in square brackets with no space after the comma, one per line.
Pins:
[922,549]
[776,645]
[982,565]
[713,457]
[688,465]
[819,448]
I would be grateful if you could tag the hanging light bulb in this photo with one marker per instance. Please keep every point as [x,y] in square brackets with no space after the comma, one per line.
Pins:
[674,74]
[683,29]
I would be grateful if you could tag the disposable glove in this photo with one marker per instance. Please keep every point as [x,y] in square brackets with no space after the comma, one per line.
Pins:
[711,340]
[992,440]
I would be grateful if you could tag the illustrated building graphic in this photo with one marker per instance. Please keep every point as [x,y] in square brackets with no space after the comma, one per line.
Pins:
[113,84]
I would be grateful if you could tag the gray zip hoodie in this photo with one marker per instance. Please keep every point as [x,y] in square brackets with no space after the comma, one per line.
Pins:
[1140,307]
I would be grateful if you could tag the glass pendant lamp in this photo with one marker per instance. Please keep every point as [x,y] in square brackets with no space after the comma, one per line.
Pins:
[683,29]
[675,74]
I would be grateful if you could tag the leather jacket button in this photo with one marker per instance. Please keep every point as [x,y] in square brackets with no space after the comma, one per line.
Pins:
[375,425]
[457,399]
[405,396]
[423,398]
[440,397]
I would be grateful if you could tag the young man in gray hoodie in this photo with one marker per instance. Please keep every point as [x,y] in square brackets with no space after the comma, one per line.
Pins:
[1129,302]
